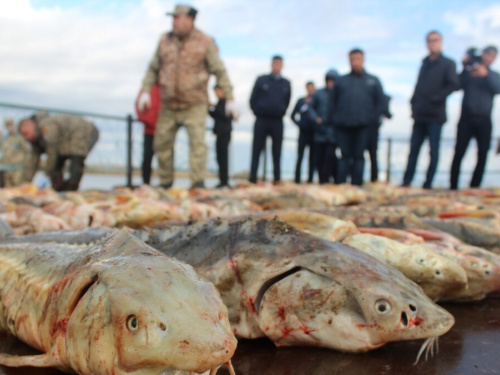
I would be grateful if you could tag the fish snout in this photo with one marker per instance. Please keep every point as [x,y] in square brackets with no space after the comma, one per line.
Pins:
[409,316]
[428,320]
[208,355]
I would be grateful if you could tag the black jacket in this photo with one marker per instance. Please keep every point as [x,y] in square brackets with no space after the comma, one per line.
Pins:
[358,100]
[320,107]
[304,122]
[479,93]
[270,96]
[436,80]
[223,123]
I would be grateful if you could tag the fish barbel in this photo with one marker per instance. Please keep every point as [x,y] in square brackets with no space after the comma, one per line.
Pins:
[298,289]
[118,307]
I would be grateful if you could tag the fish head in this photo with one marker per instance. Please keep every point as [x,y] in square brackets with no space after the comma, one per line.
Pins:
[437,275]
[353,309]
[148,313]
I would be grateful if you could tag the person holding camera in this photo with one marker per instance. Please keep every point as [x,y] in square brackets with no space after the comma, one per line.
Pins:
[436,80]
[480,85]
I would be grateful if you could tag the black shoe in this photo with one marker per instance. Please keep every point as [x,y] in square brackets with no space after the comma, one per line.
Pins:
[222,186]
[198,185]
[166,186]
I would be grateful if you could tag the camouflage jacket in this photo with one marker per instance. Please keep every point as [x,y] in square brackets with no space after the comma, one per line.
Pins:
[15,150]
[182,69]
[62,135]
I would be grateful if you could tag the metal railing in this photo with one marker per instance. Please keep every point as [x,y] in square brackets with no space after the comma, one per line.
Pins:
[120,149]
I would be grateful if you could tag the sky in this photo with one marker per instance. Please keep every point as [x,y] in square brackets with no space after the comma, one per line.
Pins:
[91,55]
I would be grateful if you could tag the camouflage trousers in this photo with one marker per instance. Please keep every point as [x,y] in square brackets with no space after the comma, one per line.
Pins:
[14,178]
[169,122]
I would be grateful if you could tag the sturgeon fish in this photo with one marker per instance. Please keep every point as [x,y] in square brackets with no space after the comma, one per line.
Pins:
[298,289]
[118,307]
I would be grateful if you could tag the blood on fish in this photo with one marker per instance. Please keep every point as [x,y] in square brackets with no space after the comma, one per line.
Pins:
[60,327]
[309,293]
[251,304]
[281,313]
[327,298]
[307,330]
[286,331]
[415,321]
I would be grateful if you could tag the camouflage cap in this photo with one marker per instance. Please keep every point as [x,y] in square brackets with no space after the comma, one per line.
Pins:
[183,9]
[9,121]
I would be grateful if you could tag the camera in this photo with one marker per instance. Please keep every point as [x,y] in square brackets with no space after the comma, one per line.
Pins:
[475,58]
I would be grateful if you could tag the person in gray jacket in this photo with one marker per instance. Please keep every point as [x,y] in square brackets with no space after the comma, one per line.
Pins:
[358,101]
[320,112]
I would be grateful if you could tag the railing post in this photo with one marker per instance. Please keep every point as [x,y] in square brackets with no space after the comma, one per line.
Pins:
[129,151]
[389,156]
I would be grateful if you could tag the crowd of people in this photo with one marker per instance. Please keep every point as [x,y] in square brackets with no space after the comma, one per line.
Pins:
[337,123]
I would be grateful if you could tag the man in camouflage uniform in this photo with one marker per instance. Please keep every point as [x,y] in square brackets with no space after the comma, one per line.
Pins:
[61,137]
[182,64]
[15,153]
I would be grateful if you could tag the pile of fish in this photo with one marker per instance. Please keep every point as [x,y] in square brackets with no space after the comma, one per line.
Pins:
[340,267]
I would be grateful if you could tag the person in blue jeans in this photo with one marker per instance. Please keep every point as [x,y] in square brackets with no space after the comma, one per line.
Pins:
[436,80]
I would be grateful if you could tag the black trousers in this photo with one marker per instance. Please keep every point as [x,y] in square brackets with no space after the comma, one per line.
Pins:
[479,128]
[326,162]
[372,152]
[305,140]
[76,168]
[352,142]
[263,128]
[147,157]
[222,153]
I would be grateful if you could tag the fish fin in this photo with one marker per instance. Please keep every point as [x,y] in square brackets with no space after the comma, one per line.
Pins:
[39,360]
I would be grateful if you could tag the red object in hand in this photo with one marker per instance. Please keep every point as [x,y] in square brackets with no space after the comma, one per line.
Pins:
[150,115]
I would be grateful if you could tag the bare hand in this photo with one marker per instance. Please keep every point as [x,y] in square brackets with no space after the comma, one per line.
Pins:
[480,70]
[319,120]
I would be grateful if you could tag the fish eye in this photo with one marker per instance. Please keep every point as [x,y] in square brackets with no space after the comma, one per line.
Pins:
[132,323]
[382,306]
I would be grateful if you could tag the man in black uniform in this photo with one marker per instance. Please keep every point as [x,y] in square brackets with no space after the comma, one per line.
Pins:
[358,101]
[480,85]
[222,130]
[306,133]
[269,101]
[437,79]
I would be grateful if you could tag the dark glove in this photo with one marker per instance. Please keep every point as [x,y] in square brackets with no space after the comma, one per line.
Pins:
[57,182]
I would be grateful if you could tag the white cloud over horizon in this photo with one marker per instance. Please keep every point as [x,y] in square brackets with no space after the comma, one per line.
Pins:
[92,58]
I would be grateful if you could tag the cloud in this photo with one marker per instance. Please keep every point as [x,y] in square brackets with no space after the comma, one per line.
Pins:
[93,57]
